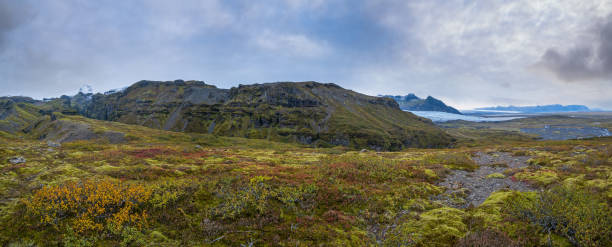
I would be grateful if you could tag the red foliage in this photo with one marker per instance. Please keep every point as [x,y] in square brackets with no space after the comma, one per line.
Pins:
[334,216]
[198,154]
[348,172]
[151,152]
[306,220]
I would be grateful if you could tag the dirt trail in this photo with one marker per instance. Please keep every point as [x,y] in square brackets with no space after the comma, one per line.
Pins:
[465,188]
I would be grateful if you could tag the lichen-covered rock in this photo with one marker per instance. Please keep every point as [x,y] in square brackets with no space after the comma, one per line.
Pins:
[17,160]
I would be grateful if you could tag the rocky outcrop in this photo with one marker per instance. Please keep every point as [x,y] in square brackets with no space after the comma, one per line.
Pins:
[318,114]
[306,112]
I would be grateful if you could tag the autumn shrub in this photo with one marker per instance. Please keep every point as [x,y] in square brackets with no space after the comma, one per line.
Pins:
[91,206]
[568,212]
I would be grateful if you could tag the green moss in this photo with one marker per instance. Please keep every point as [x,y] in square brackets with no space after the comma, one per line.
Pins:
[490,211]
[437,227]
[574,181]
[458,161]
[158,236]
[431,174]
[542,177]
[496,175]
[598,183]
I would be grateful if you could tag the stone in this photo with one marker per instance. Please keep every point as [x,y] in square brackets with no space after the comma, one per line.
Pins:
[17,160]
[53,144]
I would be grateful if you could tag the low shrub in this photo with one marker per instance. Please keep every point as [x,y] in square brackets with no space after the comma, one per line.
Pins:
[90,207]
[568,212]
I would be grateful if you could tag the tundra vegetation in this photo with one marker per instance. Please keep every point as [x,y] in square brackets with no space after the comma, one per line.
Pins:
[283,165]
[161,188]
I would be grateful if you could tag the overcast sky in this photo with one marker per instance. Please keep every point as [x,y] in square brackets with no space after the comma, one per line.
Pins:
[467,53]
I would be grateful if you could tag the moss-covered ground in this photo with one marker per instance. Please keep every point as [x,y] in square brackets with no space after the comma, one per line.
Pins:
[164,188]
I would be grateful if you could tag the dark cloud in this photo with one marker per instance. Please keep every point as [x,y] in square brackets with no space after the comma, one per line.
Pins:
[12,14]
[587,61]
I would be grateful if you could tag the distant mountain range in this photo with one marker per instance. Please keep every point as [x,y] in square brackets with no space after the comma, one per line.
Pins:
[411,102]
[538,109]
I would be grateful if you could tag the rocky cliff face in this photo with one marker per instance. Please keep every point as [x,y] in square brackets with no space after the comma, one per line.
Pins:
[411,102]
[305,112]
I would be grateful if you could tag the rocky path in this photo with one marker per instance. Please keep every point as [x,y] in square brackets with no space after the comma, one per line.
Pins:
[472,188]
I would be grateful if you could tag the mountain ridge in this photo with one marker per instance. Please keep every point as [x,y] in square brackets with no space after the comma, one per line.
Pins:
[411,102]
[312,113]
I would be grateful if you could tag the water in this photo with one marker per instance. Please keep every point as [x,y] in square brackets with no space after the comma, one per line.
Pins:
[437,116]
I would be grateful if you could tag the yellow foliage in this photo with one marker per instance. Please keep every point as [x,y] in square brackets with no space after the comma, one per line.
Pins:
[89,205]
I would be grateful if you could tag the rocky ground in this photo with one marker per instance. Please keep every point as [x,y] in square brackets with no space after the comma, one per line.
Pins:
[466,188]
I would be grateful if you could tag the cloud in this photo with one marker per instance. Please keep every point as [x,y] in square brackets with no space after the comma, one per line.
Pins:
[297,4]
[465,51]
[591,59]
[290,44]
[12,15]
[187,18]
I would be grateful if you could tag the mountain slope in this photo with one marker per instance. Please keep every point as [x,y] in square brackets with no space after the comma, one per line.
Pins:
[304,112]
[411,102]
[16,113]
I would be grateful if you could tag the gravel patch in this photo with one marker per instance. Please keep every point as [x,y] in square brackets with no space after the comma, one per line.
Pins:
[472,188]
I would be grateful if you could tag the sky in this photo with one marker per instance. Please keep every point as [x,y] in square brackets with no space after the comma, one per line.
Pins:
[468,53]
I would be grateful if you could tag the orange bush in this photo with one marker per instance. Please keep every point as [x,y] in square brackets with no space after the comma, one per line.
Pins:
[91,205]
